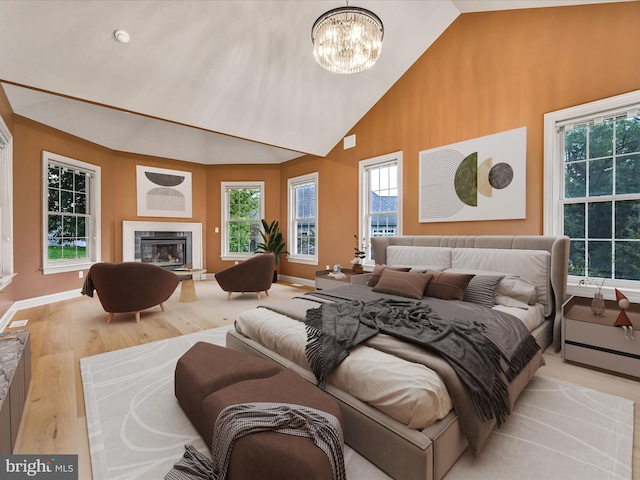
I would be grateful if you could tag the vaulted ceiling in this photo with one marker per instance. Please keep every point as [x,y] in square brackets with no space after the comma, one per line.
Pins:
[212,82]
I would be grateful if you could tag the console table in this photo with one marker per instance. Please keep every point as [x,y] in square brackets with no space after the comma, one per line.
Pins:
[15,367]
[593,340]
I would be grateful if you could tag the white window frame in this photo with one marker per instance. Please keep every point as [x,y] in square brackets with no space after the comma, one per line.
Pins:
[6,205]
[364,196]
[94,207]
[554,179]
[225,187]
[292,184]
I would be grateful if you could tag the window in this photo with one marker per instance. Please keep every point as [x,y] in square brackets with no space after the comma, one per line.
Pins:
[6,205]
[593,189]
[242,211]
[71,222]
[303,208]
[380,199]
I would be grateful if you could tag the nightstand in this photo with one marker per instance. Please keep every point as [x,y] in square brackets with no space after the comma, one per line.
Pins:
[593,340]
[324,280]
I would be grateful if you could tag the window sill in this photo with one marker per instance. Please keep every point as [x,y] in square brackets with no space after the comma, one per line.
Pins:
[67,267]
[6,280]
[240,257]
[302,260]
[633,294]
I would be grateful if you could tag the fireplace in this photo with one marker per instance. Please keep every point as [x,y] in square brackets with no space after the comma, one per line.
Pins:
[168,244]
[168,252]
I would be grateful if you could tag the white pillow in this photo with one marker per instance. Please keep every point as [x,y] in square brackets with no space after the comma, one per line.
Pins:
[534,266]
[512,291]
[516,292]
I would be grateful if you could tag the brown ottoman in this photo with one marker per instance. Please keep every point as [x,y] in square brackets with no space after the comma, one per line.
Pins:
[217,377]
[206,368]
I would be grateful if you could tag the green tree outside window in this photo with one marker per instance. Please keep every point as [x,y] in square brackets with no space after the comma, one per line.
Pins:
[601,198]
[244,220]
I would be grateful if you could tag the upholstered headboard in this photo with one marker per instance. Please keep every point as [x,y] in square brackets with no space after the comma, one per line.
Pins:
[556,246]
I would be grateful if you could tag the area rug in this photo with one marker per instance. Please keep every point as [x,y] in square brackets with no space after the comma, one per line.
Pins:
[137,430]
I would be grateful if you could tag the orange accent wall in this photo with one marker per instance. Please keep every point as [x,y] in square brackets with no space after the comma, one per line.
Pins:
[119,201]
[269,174]
[121,181]
[30,139]
[488,73]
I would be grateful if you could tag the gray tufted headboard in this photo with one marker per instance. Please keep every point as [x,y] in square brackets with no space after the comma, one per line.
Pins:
[557,246]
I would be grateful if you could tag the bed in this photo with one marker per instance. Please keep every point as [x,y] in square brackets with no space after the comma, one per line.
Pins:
[404,410]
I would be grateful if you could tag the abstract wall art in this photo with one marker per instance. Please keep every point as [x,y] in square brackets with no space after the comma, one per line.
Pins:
[163,193]
[479,179]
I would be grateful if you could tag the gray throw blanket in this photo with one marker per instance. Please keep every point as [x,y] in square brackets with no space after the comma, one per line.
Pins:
[236,421]
[87,286]
[334,328]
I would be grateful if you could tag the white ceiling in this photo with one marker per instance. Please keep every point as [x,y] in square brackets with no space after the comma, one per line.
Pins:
[212,82]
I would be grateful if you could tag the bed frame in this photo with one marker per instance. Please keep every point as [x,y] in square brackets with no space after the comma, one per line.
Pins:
[406,453]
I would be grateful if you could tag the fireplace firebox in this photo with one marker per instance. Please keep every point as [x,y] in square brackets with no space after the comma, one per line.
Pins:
[165,252]
[169,250]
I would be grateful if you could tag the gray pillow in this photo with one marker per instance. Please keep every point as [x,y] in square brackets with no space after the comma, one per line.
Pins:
[374,278]
[482,290]
[447,286]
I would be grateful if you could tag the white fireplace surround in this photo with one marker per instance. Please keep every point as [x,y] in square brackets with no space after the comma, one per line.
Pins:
[129,230]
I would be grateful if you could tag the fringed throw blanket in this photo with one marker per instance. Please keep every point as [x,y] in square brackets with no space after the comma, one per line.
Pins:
[236,421]
[87,286]
[334,328]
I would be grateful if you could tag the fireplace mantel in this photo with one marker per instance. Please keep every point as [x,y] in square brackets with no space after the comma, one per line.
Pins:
[129,229]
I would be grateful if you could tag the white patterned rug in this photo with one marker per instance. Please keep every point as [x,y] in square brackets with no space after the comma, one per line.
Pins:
[557,430]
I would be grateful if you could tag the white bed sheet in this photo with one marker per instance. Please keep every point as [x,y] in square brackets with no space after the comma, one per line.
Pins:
[532,317]
[410,393]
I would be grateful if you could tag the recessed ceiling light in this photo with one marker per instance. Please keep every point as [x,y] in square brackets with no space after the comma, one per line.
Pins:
[121,36]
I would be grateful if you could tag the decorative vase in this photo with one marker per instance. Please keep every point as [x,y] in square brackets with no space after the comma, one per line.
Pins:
[597,304]
[357,268]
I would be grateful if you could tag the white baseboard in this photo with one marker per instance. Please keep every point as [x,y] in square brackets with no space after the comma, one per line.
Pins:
[36,302]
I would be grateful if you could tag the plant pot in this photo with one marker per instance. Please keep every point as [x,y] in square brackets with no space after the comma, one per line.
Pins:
[357,268]
[597,304]
[275,276]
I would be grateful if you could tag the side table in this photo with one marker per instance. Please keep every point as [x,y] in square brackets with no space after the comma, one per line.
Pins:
[324,280]
[187,287]
[593,340]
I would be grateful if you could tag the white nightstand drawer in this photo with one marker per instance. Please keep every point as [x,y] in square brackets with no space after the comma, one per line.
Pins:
[606,360]
[601,336]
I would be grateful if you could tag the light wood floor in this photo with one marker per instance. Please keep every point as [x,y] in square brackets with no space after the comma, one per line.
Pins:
[63,332]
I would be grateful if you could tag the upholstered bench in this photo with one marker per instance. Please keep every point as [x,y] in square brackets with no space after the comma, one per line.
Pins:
[209,378]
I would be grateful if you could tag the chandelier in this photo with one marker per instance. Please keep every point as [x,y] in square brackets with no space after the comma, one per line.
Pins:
[347,39]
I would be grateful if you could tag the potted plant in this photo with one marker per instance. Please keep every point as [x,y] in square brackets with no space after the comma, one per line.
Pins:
[360,252]
[272,242]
